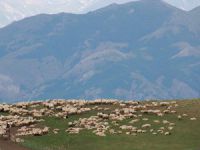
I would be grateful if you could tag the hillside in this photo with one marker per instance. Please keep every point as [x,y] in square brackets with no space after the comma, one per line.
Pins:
[101,124]
[139,50]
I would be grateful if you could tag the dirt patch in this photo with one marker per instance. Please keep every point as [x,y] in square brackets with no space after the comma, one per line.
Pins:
[9,145]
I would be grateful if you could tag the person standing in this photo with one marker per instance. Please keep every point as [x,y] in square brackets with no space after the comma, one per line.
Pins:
[8,130]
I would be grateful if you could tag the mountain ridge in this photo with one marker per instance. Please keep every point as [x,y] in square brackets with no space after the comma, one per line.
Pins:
[123,53]
[17,10]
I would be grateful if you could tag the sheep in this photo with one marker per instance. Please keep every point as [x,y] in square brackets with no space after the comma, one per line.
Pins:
[160,114]
[160,131]
[167,133]
[134,121]
[146,126]
[19,140]
[162,128]
[173,111]
[145,119]
[165,122]
[125,127]
[2,131]
[122,105]
[100,134]
[179,117]
[112,131]
[73,130]
[154,133]
[172,124]
[128,133]
[184,115]
[170,128]
[134,134]
[166,111]
[55,131]
[164,103]
[193,119]
[32,131]
[156,121]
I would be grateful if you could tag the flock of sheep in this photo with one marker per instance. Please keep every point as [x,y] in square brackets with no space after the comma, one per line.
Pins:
[106,117]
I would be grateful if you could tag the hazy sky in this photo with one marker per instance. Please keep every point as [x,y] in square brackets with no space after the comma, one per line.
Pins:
[11,10]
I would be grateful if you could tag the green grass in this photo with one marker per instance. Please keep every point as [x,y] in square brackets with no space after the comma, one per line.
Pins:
[4,113]
[185,136]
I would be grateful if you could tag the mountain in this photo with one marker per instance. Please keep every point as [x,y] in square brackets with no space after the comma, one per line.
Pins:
[13,10]
[124,51]
[18,9]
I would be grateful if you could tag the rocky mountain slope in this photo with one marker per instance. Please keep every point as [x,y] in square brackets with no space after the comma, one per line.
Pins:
[139,50]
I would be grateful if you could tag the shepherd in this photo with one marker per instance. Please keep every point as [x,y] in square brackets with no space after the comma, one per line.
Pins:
[8,127]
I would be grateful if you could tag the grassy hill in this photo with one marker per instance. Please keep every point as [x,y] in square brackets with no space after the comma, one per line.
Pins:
[184,136]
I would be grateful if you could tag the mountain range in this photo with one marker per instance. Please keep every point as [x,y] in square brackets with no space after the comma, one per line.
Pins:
[146,49]
[14,10]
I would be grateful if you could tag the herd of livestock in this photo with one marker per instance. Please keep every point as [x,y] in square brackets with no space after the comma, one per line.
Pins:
[105,117]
